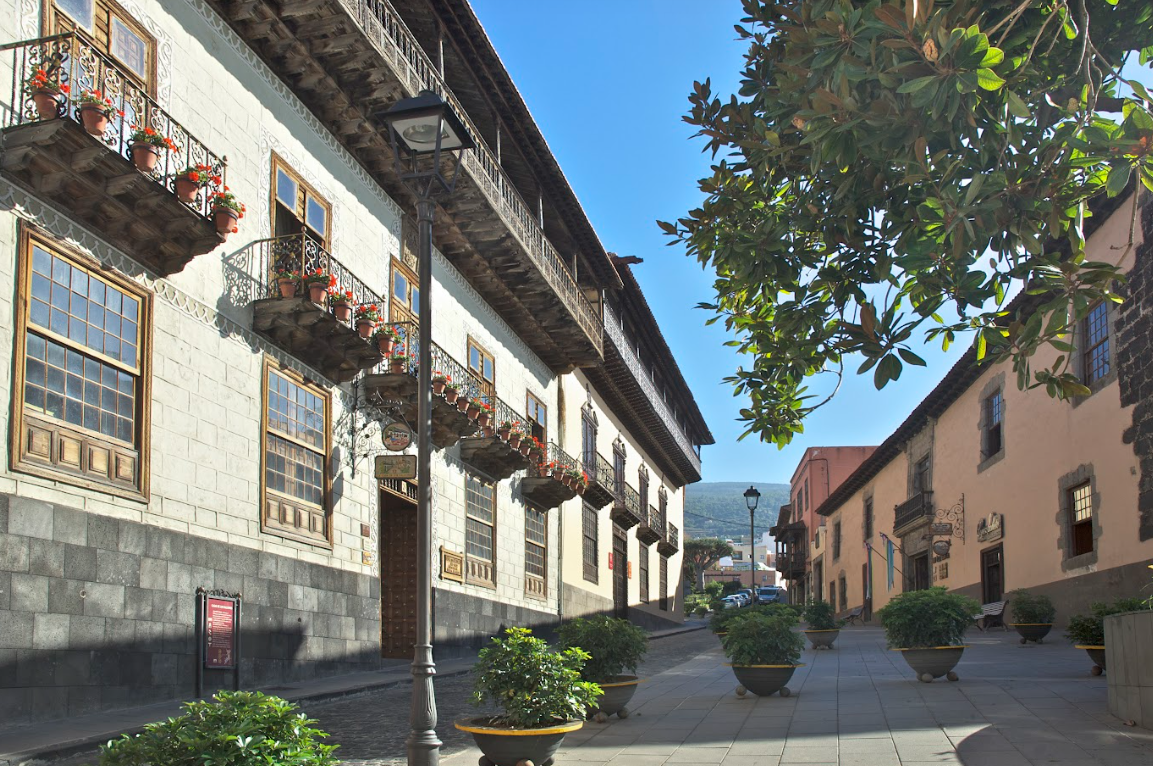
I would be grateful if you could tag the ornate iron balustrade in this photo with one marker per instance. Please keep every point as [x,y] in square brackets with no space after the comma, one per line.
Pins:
[656,521]
[76,68]
[600,471]
[556,457]
[674,536]
[918,506]
[386,30]
[459,376]
[631,500]
[617,336]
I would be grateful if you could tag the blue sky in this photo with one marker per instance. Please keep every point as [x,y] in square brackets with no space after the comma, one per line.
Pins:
[608,83]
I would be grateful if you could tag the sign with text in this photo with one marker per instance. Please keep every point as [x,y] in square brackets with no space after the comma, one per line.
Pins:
[990,528]
[220,633]
[396,437]
[395,467]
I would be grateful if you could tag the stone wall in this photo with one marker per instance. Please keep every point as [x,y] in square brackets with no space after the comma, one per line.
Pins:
[99,613]
[463,624]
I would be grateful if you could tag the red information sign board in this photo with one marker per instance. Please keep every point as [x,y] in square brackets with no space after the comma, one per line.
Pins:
[220,633]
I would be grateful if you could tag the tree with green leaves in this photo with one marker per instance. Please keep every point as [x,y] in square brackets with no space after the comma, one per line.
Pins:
[890,172]
[701,554]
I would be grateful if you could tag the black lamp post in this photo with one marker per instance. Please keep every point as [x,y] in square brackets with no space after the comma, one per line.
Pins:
[752,497]
[423,130]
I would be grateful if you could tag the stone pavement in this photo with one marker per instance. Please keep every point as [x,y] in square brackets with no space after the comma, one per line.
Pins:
[860,705]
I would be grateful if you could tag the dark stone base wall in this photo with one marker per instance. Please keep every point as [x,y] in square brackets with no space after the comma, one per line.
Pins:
[98,613]
[578,602]
[654,621]
[463,623]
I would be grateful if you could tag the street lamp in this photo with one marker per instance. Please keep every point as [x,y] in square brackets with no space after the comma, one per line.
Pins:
[422,129]
[752,497]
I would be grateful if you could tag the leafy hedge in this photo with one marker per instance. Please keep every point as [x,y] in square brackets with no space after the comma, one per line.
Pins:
[615,645]
[927,618]
[762,638]
[1089,630]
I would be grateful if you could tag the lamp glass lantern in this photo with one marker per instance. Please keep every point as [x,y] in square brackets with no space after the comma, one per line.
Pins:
[421,130]
[752,497]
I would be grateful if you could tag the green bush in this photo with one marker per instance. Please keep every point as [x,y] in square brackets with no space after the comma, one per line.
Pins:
[1090,630]
[927,618]
[234,729]
[722,618]
[763,639]
[701,610]
[1028,607]
[534,685]
[714,590]
[821,615]
[615,645]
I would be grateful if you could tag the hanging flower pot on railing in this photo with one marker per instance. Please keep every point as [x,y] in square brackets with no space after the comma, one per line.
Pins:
[503,430]
[558,473]
[227,211]
[526,446]
[489,431]
[439,382]
[475,407]
[462,403]
[146,146]
[45,94]
[485,416]
[286,282]
[319,283]
[342,305]
[367,318]
[398,364]
[450,393]
[385,339]
[191,180]
[515,438]
[95,112]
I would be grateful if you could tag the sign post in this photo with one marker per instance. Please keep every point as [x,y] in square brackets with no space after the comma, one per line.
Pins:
[217,635]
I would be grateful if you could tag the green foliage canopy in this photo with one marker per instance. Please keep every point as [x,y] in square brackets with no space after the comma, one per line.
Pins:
[701,554]
[764,638]
[889,170]
[927,618]
[1089,630]
[614,645]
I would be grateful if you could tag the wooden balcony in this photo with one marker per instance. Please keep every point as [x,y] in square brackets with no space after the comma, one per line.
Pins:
[791,563]
[348,60]
[626,510]
[917,509]
[600,489]
[310,331]
[542,486]
[91,177]
[498,451]
[671,542]
[651,529]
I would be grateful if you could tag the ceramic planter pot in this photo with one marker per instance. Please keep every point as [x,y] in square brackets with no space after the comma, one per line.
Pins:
[617,692]
[503,434]
[1032,631]
[763,680]
[186,191]
[287,287]
[581,488]
[47,104]
[438,386]
[483,419]
[396,366]
[317,293]
[1097,654]
[145,156]
[385,345]
[489,432]
[225,220]
[503,746]
[472,412]
[342,311]
[933,662]
[95,120]
[823,639]
[525,447]
[462,404]
[365,329]
[450,395]
[514,441]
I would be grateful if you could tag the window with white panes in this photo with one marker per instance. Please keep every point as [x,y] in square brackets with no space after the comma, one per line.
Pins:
[111,30]
[535,552]
[480,530]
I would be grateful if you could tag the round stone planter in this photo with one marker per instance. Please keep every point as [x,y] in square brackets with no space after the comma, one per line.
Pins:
[1097,654]
[763,680]
[1032,631]
[617,693]
[933,662]
[504,746]
[823,639]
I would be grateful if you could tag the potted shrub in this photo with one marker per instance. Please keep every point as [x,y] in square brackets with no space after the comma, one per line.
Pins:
[286,281]
[928,627]
[95,111]
[367,318]
[1032,615]
[1088,631]
[541,695]
[45,94]
[764,651]
[615,648]
[342,305]
[272,730]
[398,362]
[146,144]
[385,339]
[722,618]
[227,211]
[823,625]
[191,180]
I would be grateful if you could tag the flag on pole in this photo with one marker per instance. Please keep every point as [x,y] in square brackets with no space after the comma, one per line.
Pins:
[869,571]
[889,550]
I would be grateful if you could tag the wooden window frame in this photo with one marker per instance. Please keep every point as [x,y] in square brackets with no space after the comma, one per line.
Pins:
[836,540]
[994,419]
[401,312]
[644,572]
[535,586]
[529,399]
[20,459]
[590,543]
[470,577]
[304,191]
[869,518]
[1086,523]
[51,25]
[664,584]
[643,485]
[487,387]
[271,367]
[1087,372]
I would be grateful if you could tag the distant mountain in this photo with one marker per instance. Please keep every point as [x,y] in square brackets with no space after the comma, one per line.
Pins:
[723,503]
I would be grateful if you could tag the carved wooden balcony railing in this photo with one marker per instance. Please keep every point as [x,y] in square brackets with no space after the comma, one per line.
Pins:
[92,177]
[347,60]
[499,450]
[651,528]
[671,542]
[791,563]
[626,510]
[312,332]
[917,508]
[601,480]
[544,485]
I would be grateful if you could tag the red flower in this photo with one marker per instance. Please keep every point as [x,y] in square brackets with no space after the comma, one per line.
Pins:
[65,89]
[194,177]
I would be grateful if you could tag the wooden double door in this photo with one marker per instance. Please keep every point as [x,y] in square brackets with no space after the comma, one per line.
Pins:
[398,567]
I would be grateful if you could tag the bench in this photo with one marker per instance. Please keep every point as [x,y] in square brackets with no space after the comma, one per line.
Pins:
[991,615]
[854,614]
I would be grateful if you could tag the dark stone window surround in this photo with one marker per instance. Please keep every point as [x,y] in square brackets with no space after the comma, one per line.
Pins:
[1067,482]
[994,385]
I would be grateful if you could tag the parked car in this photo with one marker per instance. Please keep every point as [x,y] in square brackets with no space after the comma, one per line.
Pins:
[769,594]
[750,596]
[731,602]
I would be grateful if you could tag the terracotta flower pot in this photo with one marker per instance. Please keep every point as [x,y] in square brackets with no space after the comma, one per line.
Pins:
[483,419]
[365,329]
[47,104]
[451,394]
[472,412]
[287,287]
[342,312]
[95,120]
[514,440]
[438,386]
[581,488]
[317,293]
[396,366]
[525,448]
[225,219]
[489,431]
[503,434]
[145,156]
[462,404]
[558,476]
[186,190]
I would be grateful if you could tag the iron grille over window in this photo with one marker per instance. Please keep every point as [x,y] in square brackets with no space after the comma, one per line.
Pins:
[868,518]
[836,541]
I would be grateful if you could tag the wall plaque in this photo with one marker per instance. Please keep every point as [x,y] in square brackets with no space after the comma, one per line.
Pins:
[395,467]
[220,632]
[451,565]
[942,571]
[991,528]
[396,437]
[941,528]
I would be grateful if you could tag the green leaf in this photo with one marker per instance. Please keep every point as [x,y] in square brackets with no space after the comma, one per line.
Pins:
[912,86]
[988,79]
[911,358]
[993,57]
[1118,178]
[1017,107]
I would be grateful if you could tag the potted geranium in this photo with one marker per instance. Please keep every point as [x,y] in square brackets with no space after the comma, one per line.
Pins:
[385,338]
[191,180]
[616,647]
[541,695]
[928,628]
[528,445]
[367,317]
[96,110]
[764,651]
[286,281]
[515,436]
[451,391]
[1032,615]
[439,381]
[45,94]
[319,282]
[342,305]
[823,625]
[484,417]
[475,407]
[398,362]
[227,211]
[502,431]
[146,144]
[1088,631]
[575,478]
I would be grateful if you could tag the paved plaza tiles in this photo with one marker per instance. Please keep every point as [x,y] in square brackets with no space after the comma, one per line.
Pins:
[859,705]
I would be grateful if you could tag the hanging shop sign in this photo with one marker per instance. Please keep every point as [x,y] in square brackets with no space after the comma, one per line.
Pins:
[395,467]
[991,528]
[941,528]
[396,437]
[941,547]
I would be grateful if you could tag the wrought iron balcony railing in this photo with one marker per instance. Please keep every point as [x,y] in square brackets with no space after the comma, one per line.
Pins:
[916,507]
[599,470]
[671,542]
[391,37]
[76,69]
